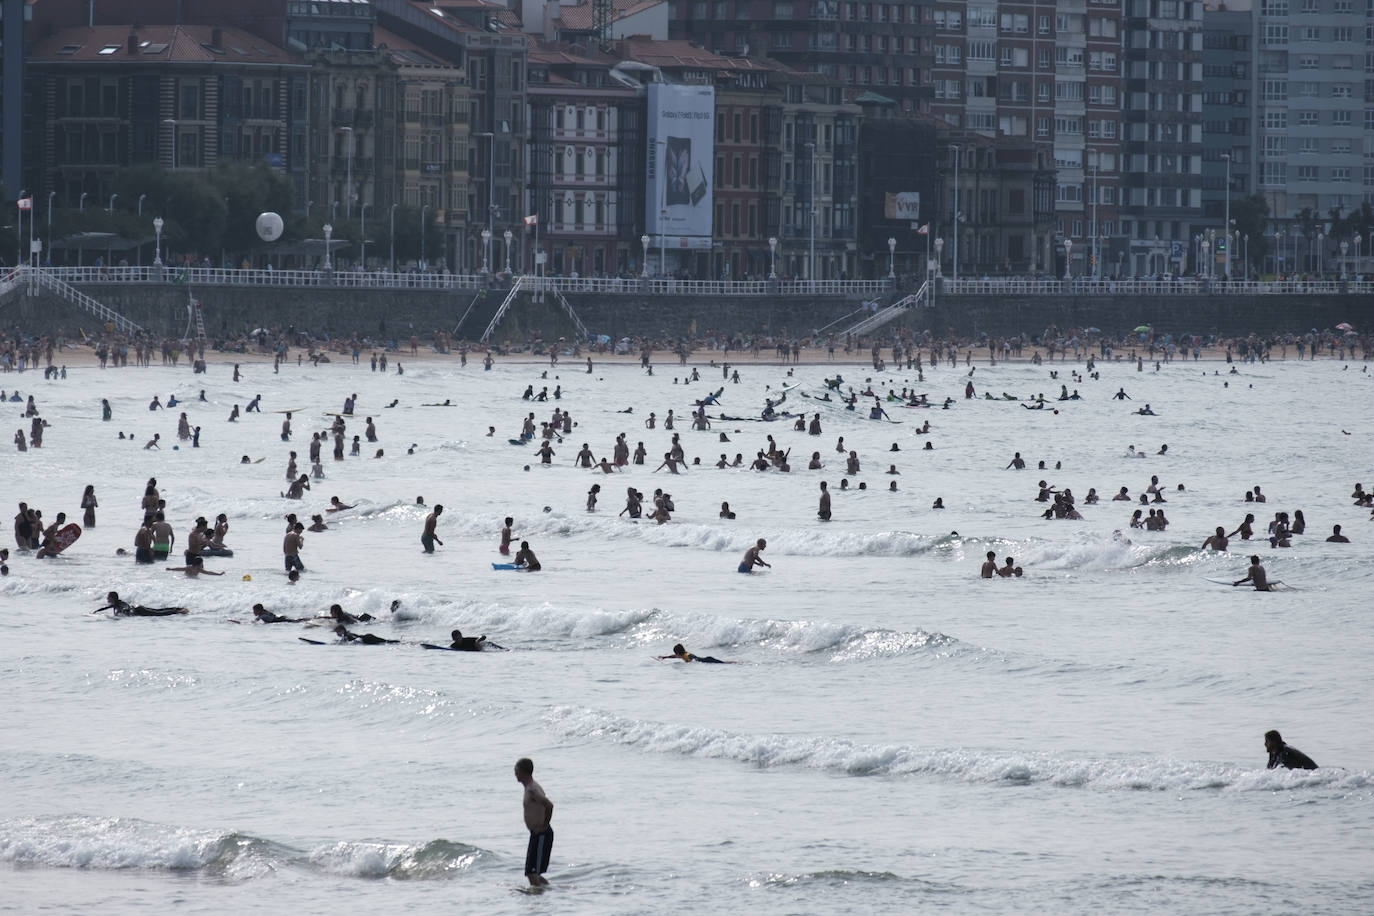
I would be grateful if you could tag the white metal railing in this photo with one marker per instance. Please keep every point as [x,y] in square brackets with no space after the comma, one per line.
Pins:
[891,313]
[1181,287]
[572,313]
[505,307]
[11,280]
[217,276]
[57,285]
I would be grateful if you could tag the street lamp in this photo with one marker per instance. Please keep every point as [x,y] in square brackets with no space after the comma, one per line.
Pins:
[362,242]
[110,208]
[423,211]
[1245,256]
[662,243]
[1206,264]
[1227,157]
[644,265]
[1358,252]
[811,261]
[173,122]
[81,206]
[772,257]
[1321,252]
[956,210]
[1096,255]
[939,261]
[891,257]
[507,236]
[1068,256]
[51,195]
[491,196]
[328,231]
[1344,246]
[157,249]
[486,249]
[392,235]
[140,203]
[348,201]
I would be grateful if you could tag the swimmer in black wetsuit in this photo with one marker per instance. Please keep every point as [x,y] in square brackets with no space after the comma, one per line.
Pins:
[1281,754]
[125,609]
[339,614]
[680,652]
[366,639]
[263,615]
[467,643]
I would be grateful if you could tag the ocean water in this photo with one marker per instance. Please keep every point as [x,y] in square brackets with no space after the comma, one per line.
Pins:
[898,735]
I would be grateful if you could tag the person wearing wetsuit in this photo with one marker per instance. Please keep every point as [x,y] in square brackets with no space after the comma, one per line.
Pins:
[366,639]
[680,652]
[125,609]
[467,643]
[1282,755]
[263,615]
[339,614]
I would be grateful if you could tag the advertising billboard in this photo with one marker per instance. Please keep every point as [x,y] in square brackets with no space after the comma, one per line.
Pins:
[681,160]
[904,205]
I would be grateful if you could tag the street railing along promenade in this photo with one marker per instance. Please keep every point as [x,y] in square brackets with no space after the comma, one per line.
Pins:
[998,286]
[1181,287]
[214,276]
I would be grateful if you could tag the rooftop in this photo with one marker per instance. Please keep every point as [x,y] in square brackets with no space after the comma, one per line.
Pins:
[182,43]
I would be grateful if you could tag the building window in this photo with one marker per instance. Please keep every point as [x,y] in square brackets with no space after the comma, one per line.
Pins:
[1307,173]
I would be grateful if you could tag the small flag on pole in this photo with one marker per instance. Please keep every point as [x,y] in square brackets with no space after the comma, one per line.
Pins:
[26,203]
[924,230]
[532,220]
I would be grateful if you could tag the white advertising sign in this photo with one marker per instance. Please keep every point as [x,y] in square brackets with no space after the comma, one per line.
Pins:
[681,160]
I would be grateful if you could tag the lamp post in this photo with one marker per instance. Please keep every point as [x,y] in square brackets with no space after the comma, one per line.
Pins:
[507,236]
[81,206]
[772,257]
[348,200]
[392,236]
[1358,252]
[328,231]
[811,261]
[491,196]
[1068,257]
[1206,246]
[644,264]
[51,195]
[157,244]
[956,210]
[334,210]
[362,241]
[173,123]
[486,249]
[939,260]
[110,208]
[1245,256]
[891,257]
[1320,257]
[1227,157]
[1344,246]
[1095,254]
[662,242]
[423,211]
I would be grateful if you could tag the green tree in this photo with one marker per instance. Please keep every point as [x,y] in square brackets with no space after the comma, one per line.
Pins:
[248,189]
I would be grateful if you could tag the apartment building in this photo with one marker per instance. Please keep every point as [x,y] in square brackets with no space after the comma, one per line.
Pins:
[1161,195]
[858,46]
[1314,115]
[1228,124]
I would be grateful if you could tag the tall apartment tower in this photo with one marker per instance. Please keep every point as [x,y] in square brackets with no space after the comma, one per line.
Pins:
[1050,74]
[860,46]
[1315,112]
[1161,205]
[1228,119]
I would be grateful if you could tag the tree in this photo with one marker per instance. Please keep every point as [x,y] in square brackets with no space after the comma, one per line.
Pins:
[247,190]
[1250,215]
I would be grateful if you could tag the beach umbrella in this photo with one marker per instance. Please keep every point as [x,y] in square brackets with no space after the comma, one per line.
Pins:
[1344,326]
[1092,330]
[1142,329]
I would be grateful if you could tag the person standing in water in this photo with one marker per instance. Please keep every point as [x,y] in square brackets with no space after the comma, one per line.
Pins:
[538,811]
[752,558]
[428,537]
[1256,575]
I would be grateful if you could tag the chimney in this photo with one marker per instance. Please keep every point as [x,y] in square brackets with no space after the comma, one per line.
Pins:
[133,42]
[216,38]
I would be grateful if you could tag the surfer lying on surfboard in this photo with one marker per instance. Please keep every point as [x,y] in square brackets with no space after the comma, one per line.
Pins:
[125,609]
[680,652]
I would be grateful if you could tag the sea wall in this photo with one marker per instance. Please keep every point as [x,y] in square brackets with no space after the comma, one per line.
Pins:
[227,310]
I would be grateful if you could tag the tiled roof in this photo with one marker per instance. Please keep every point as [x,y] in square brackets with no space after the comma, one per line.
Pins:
[182,43]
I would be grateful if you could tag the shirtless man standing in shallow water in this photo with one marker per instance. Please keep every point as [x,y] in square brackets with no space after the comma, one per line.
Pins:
[989,566]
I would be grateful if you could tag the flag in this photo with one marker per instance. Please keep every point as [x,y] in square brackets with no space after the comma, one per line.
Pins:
[924,230]
[25,203]
[532,220]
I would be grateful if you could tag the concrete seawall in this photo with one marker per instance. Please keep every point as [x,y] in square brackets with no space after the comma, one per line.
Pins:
[162,308]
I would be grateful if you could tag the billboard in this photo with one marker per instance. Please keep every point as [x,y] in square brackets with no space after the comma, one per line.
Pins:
[904,205]
[680,176]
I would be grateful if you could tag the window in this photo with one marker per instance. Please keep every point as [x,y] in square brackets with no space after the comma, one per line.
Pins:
[1308,146]
[1341,173]
[981,50]
[1273,7]
[1276,120]
[1308,90]
[1309,62]
[1274,90]
[1307,173]
[1307,119]
[1343,33]
[1042,127]
[1369,175]
[1275,34]
[1340,118]
[1042,25]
